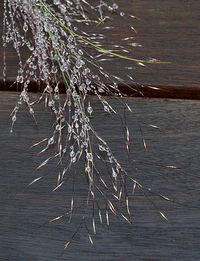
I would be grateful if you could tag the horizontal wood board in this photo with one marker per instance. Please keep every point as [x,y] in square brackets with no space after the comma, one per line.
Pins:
[167,30]
[24,230]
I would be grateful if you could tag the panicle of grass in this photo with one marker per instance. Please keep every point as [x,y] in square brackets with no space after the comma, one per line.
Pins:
[61,51]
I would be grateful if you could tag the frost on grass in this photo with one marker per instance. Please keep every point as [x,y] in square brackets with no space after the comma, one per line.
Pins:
[60,51]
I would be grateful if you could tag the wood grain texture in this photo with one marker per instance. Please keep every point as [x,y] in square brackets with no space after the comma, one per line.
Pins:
[24,230]
[167,30]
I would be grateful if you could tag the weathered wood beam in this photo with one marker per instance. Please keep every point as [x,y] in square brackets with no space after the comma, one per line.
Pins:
[132,90]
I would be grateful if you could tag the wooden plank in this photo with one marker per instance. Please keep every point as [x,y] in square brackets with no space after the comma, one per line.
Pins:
[167,30]
[24,230]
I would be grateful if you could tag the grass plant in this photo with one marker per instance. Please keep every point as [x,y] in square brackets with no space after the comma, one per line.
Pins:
[61,51]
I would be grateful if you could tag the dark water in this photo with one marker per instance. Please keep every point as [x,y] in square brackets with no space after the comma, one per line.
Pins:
[167,30]
[24,230]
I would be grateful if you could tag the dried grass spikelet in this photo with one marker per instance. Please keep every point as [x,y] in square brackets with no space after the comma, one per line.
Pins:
[60,51]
